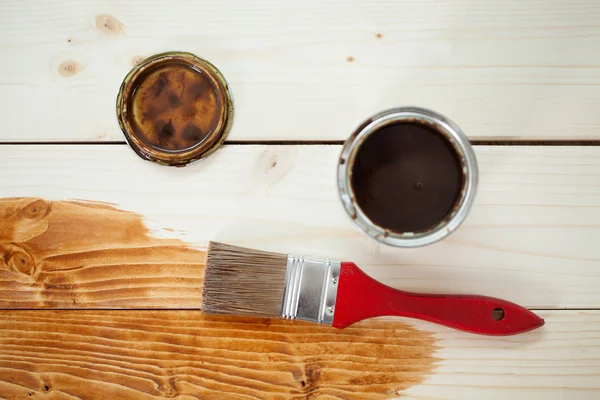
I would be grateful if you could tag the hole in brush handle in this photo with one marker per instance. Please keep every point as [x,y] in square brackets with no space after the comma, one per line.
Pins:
[498,314]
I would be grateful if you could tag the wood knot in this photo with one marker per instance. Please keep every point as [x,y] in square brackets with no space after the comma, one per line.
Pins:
[69,68]
[350,59]
[273,162]
[169,387]
[20,263]
[312,376]
[272,165]
[108,24]
[37,210]
[378,35]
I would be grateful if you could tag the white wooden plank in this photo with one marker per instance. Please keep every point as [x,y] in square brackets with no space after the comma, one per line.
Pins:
[559,361]
[531,237]
[310,70]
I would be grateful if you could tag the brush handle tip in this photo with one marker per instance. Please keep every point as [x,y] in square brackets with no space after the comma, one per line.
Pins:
[360,297]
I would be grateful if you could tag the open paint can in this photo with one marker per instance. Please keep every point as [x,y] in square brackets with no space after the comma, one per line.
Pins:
[408,177]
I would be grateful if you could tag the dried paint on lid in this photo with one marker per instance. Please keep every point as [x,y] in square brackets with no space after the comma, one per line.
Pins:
[174,108]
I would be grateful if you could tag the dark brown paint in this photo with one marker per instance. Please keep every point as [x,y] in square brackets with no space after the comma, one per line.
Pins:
[407,177]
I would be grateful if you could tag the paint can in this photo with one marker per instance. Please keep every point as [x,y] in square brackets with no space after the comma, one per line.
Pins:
[408,177]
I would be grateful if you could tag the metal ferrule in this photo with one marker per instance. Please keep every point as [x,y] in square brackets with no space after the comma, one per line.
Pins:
[310,289]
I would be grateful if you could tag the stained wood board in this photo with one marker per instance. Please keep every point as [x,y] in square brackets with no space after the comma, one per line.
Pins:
[185,355]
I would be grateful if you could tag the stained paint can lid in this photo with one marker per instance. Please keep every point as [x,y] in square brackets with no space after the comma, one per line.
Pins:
[174,108]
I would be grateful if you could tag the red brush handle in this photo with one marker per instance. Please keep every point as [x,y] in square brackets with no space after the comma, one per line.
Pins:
[360,297]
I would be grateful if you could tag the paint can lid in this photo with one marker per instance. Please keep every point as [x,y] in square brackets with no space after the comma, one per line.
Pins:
[174,108]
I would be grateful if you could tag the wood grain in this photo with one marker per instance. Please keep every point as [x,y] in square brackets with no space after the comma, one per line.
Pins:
[186,355]
[531,237]
[74,254]
[560,361]
[308,70]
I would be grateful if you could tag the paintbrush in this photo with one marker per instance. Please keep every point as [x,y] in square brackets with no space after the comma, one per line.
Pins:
[241,281]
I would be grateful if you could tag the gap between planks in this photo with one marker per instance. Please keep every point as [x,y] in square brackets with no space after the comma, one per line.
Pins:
[573,143]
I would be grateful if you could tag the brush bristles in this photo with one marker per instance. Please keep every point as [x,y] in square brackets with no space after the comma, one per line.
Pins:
[241,281]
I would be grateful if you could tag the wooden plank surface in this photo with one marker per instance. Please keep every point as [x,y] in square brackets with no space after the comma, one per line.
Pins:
[531,237]
[310,70]
[559,361]
[185,355]
[91,227]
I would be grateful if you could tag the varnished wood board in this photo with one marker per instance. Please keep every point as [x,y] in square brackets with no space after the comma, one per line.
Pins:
[531,237]
[185,355]
[310,70]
